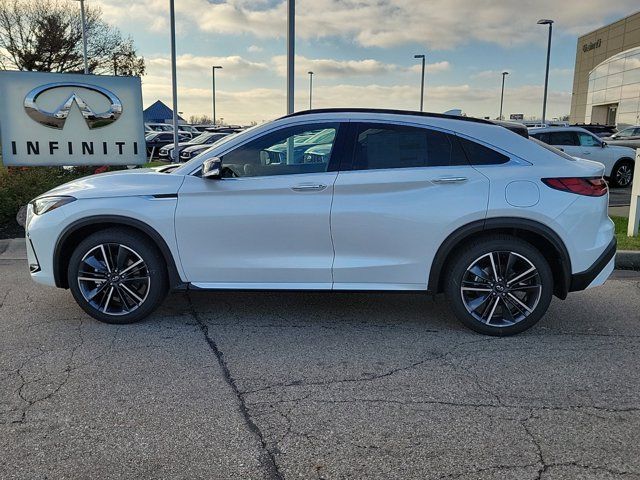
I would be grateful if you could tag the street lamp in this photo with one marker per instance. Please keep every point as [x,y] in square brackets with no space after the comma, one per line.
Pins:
[291,40]
[213,77]
[546,75]
[504,74]
[310,88]
[84,37]
[422,81]
[174,80]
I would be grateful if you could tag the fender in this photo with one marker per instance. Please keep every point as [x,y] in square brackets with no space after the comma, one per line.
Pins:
[59,275]
[502,224]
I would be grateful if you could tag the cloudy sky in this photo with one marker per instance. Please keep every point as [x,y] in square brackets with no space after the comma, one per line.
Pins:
[361,52]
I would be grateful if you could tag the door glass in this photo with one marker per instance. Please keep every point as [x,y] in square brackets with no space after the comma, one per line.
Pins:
[292,150]
[563,138]
[587,140]
[397,146]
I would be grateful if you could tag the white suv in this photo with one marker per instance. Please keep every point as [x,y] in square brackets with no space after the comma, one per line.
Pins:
[618,161]
[391,201]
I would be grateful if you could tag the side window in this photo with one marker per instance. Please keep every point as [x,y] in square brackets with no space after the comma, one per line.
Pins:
[543,137]
[289,151]
[563,138]
[381,146]
[481,155]
[587,140]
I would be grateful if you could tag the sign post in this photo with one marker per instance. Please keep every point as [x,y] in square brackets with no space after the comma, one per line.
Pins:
[634,208]
[58,119]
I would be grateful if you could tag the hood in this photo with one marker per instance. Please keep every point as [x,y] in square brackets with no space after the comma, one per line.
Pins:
[622,151]
[122,183]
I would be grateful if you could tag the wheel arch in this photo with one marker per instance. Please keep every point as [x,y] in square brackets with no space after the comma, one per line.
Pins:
[75,232]
[539,235]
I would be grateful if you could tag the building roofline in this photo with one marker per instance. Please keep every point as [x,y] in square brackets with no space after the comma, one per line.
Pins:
[389,112]
[609,24]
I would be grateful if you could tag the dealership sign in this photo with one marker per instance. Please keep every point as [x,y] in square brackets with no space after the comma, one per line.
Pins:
[592,45]
[70,119]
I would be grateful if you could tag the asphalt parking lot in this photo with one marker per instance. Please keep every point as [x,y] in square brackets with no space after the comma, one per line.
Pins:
[316,385]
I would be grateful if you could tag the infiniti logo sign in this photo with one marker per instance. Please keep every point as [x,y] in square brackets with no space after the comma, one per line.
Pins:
[58,117]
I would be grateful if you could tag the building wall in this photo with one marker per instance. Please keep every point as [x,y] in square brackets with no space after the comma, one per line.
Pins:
[594,48]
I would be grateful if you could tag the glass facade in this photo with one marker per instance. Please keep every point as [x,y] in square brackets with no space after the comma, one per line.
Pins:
[614,90]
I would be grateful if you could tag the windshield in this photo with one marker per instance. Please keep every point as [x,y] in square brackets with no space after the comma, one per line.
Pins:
[200,139]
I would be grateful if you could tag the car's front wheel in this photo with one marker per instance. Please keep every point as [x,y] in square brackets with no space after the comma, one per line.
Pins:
[117,276]
[500,285]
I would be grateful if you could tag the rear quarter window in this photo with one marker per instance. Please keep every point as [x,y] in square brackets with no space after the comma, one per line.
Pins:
[480,155]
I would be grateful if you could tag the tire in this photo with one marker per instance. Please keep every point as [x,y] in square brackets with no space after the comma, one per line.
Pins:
[126,289]
[622,174]
[518,306]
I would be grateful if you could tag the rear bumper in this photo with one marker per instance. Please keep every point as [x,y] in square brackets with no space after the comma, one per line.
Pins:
[585,279]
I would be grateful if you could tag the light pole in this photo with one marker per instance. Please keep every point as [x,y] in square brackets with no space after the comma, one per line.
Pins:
[84,37]
[422,81]
[174,80]
[546,75]
[310,88]
[504,74]
[291,40]
[213,90]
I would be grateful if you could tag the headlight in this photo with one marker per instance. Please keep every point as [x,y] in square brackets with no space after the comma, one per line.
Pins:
[46,204]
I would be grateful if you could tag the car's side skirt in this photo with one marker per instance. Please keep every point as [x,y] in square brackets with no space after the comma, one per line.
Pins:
[308,286]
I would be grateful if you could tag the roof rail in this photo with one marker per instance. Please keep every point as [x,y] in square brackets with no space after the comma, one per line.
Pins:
[389,111]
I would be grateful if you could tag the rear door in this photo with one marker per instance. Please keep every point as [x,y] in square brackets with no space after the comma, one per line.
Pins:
[567,141]
[404,191]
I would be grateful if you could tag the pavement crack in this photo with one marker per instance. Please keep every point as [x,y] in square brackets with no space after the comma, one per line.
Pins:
[366,377]
[267,460]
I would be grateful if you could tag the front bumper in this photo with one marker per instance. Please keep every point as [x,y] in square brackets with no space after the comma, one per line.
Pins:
[597,273]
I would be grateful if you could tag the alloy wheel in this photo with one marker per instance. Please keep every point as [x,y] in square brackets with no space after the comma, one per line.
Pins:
[114,279]
[624,174]
[501,288]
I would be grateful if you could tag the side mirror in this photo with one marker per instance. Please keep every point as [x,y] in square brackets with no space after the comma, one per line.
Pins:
[212,168]
[603,144]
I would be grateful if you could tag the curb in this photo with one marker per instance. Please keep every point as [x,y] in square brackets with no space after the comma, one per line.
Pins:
[628,260]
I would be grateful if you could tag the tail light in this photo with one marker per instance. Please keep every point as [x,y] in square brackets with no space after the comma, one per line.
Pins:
[591,187]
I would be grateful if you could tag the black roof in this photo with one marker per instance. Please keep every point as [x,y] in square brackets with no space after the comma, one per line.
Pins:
[389,111]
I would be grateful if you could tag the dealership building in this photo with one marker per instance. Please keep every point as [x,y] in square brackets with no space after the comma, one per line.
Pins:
[606,82]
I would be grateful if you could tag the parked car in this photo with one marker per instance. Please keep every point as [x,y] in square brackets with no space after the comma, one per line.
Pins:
[628,137]
[206,138]
[405,201]
[300,144]
[155,141]
[597,129]
[578,142]
[157,127]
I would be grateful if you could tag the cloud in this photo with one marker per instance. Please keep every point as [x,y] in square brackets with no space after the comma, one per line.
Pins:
[432,68]
[260,104]
[254,49]
[438,24]
[331,68]
[562,71]
[194,65]
[484,74]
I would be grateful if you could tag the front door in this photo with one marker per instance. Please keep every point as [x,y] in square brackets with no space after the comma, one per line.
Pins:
[265,224]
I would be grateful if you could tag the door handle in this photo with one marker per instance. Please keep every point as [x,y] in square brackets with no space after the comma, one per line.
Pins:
[445,180]
[308,187]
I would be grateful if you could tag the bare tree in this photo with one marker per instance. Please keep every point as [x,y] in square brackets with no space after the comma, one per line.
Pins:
[46,36]
[200,120]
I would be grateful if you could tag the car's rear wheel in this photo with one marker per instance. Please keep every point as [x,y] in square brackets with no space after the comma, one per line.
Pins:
[117,276]
[500,285]
[622,174]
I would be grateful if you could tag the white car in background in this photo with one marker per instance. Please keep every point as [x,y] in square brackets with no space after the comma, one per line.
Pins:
[618,161]
[400,201]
